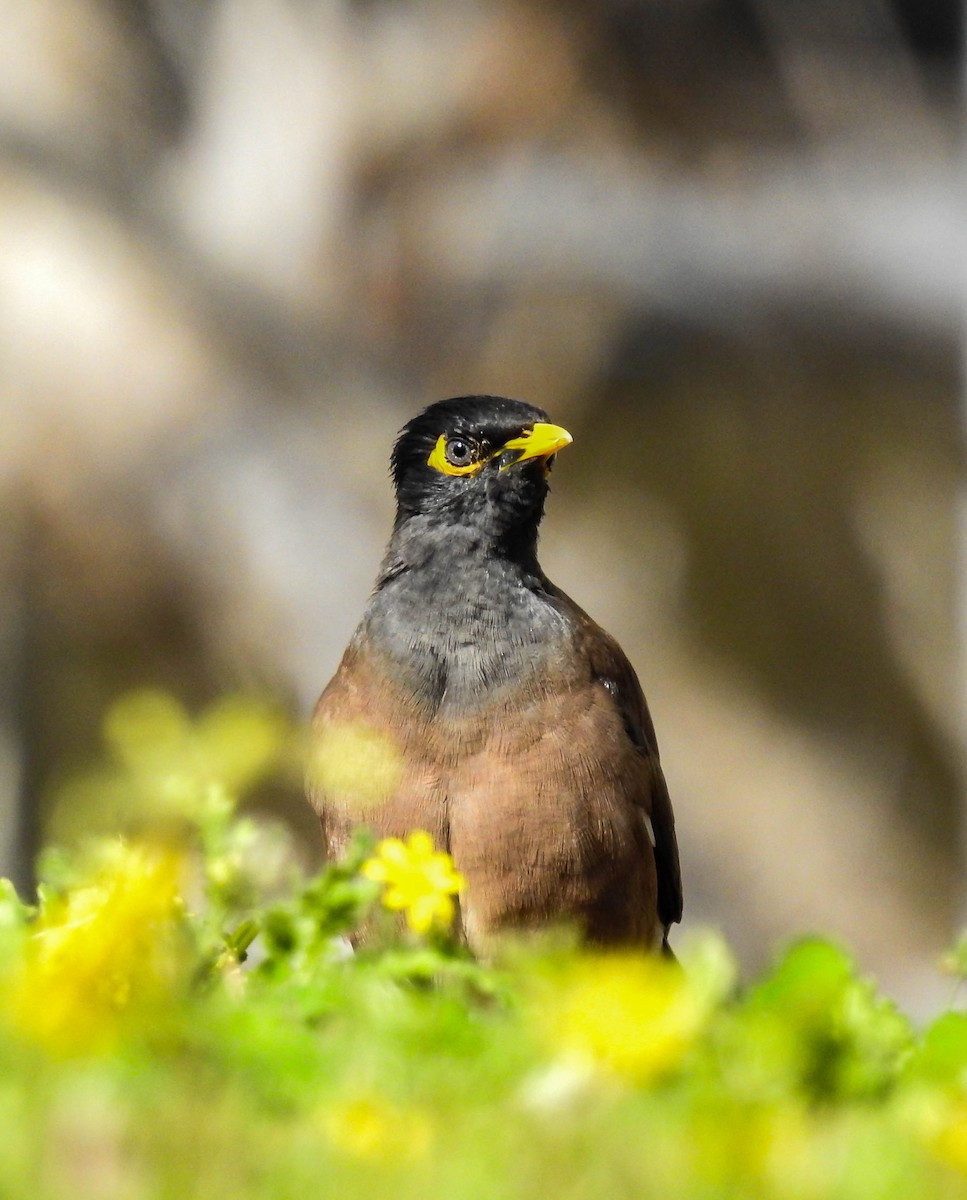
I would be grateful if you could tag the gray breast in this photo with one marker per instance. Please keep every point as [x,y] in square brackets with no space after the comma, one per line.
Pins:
[461,643]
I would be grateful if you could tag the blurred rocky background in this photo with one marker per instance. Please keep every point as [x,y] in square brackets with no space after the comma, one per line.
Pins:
[242,241]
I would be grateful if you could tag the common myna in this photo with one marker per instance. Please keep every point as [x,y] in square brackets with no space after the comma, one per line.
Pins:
[478,702]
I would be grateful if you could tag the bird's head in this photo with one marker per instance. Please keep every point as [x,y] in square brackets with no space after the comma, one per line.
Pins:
[478,462]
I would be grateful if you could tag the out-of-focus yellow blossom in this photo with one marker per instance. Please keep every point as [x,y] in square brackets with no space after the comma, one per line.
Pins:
[769,1142]
[164,763]
[634,1015]
[354,767]
[417,880]
[948,1137]
[370,1127]
[102,957]
[232,743]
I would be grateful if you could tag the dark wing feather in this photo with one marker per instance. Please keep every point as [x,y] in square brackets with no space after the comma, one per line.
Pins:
[610,664]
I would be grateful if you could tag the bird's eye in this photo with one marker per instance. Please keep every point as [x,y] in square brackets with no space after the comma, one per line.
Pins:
[457,456]
[459,452]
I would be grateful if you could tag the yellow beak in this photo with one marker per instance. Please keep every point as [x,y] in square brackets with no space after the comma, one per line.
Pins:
[541,441]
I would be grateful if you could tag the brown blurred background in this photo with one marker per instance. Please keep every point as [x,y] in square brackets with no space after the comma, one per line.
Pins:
[242,241]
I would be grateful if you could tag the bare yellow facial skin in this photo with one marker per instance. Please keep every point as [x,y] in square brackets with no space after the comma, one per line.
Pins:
[540,441]
[439,462]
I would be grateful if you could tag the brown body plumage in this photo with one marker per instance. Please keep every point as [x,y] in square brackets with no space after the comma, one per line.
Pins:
[481,704]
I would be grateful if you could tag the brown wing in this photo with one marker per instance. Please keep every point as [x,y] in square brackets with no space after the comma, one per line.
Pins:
[610,664]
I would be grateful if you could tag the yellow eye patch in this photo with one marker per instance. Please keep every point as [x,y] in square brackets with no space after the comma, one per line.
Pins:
[540,441]
[440,461]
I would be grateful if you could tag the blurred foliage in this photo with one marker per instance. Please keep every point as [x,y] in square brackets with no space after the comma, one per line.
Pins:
[182,1014]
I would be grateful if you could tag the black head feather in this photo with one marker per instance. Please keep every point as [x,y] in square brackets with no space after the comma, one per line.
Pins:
[492,419]
[495,501]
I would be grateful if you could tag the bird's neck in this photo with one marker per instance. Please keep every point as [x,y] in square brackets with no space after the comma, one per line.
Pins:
[459,620]
[427,544]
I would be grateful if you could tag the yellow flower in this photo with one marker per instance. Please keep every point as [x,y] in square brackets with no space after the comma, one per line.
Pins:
[100,957]
[370,1127]
[163,763]
[949,1137]
[631,1014]
[417,880]
[355,767]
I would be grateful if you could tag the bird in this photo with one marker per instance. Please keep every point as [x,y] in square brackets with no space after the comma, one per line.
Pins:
[477,702]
